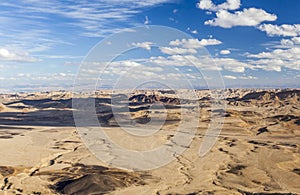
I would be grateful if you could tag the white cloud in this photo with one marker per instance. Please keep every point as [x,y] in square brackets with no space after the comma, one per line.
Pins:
[62,74]
[228,64]
[15,34]
[7,55]
[147,21]
[276,59]
[176,50]
[286,30]
[116,68]
[225,52]
[296,40]
[194,32]
[91,19]
[248,77]
[247,17]
[268,64]
[286,43]
[231,64]
[194,43]
[230,77]
[240,77]
[59,56]
[228,5]
[144,45]
[127,63]
[284,54]
[44,76]
[137,3]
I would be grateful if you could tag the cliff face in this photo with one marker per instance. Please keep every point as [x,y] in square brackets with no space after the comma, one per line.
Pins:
[142,98]
[266,95]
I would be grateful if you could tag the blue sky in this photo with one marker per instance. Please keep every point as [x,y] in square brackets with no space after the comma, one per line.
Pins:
[255,43]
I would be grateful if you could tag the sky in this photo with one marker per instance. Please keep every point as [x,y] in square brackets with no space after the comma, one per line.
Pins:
[252,43]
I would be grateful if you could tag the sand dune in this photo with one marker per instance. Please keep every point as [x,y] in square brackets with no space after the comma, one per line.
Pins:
[257,152]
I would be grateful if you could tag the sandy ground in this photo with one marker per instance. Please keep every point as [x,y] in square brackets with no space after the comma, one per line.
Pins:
[257,151]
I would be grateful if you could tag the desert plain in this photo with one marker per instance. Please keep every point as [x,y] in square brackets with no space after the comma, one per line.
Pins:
[256,152]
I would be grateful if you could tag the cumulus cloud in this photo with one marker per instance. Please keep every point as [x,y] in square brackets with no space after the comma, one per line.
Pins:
[231,64]
[296,40]
[144,45]
[276,59]
[286,54]
[7,55]
[225,52]
[247,17]
[194,43]
[228,5]
[286,30]
[176,50]
[268,64]
[286,43]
